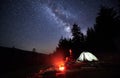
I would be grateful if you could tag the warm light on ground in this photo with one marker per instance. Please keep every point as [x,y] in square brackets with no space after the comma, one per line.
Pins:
[61,68]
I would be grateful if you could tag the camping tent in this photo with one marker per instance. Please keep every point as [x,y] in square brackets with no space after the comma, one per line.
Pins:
[86,56]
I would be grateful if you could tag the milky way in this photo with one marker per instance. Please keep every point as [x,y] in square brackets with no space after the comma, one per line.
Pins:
[39,24]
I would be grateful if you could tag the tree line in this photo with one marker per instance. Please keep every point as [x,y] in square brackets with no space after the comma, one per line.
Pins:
[101,38]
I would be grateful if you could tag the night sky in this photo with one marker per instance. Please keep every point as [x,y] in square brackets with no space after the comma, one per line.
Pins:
[28,24]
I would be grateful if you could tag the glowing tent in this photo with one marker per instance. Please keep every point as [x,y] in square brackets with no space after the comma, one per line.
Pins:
[87,56]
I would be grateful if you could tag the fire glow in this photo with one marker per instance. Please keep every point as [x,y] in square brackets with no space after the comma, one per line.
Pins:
[61,67]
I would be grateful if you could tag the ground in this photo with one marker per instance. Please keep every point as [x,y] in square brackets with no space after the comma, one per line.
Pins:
[102,71]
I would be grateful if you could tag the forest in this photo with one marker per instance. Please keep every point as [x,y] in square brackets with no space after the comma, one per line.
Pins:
[103,37]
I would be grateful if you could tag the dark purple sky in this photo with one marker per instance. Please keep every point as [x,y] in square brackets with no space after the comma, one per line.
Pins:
[39,24]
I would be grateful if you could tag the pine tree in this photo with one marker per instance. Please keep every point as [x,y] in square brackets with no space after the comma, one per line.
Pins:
[77,40]
[77,34]
[105,29]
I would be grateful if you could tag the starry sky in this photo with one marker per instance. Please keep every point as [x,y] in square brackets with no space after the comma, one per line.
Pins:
[28,24]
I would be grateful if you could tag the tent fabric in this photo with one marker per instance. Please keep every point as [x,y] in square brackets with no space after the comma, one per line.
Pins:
[87,56]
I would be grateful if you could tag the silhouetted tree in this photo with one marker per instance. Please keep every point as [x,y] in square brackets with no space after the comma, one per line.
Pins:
[90,39]
[77,34]
[77,40]
[118,28]
[63,47]
[119,8]
[34,50]
[105,29]
[76,44]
